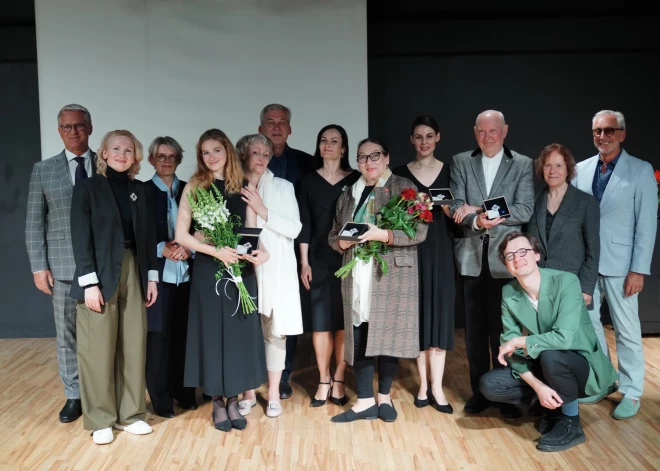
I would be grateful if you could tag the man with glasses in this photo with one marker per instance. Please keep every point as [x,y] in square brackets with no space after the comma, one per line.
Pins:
[289,164]
[490,171]
[628,195]
[548,345]
[48,238]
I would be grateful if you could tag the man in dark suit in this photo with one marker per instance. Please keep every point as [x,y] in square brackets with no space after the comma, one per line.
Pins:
[490,171]
[289,164]
[48,238]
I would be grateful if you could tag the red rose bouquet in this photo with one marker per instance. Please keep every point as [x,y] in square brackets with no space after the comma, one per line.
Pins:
[403,212]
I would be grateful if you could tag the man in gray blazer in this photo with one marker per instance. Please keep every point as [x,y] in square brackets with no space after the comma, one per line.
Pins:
[48,238]
[490,171]
[627,192]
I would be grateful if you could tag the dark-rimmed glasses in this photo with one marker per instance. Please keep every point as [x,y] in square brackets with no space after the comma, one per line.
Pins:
[374,157]
[68,127]
[166,158]
[607,131]
[509,256]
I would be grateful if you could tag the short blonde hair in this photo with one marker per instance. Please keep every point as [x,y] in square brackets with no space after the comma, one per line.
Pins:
[102,165]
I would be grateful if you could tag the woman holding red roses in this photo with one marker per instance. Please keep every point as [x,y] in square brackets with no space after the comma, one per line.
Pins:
[436,268]
[381,310]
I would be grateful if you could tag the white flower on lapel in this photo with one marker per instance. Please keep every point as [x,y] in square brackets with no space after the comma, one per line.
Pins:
[133,197]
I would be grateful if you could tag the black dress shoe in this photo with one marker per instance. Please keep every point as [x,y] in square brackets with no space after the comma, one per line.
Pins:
[349,416]
[387,412]
[285,390]
[444,408]
[477,403]
[71,411]
[566,434]
[510,411]
[318,402]
[338,401]
[419,403]
[188,405]
[168,414]
[239,424]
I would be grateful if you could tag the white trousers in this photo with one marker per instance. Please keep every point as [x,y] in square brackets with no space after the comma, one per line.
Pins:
[275,345]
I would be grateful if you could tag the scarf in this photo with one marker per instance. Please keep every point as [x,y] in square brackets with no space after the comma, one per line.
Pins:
[363,272]
[173,272]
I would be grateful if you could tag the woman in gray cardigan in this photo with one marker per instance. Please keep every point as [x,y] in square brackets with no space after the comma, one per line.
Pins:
[566,220]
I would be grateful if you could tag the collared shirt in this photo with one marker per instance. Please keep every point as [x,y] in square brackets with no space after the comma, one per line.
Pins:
[278,164]
[602,179]
[73,165]
[173,272]
[491,165]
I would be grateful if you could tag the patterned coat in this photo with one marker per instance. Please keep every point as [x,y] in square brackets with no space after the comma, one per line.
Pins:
[394,315]
[48,226]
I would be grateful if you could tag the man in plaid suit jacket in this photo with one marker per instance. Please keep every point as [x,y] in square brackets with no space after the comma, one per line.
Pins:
[48,238]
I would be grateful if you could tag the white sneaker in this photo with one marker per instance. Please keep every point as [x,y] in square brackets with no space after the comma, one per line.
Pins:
[136,428]
[103,436]
[274,409]
[245,406]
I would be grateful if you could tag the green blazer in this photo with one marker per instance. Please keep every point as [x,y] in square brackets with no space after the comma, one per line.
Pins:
[562,323]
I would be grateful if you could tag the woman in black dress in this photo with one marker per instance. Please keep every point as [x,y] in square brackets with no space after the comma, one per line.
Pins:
[319,191]
[436,267]
[225,347]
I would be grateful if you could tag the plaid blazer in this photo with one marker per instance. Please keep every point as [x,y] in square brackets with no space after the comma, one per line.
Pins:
[394,314]
[48,227]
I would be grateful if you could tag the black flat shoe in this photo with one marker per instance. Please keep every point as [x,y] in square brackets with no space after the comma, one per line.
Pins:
[71,411]
[219,416]
[164,413]
[319,402]
[444,408]
[285,390]
[188,405]
[239,424]
[338,401]
[477,403]
[387,412]
[349,416]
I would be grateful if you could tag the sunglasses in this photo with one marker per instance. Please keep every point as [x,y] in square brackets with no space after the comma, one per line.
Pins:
[607,131]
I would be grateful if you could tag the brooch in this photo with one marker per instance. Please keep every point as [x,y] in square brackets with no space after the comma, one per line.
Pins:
[345,188]
[133,196]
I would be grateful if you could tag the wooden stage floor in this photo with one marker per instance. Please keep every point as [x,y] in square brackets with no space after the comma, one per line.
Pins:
[32,438]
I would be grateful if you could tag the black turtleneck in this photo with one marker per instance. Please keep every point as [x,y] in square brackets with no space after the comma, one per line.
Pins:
[119,184]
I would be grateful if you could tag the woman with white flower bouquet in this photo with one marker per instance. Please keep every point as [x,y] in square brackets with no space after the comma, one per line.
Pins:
[225,348]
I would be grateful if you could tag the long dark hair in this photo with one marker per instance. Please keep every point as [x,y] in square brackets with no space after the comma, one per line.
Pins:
[424,120]
[344,164]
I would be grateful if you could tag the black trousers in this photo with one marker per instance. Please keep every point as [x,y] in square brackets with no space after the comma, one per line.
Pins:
[565,371]
[291,346]
[482,297]
[166,351]
[363,366]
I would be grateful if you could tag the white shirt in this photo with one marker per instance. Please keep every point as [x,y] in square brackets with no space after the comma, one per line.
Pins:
[535,304]
[491,165]
[73,165]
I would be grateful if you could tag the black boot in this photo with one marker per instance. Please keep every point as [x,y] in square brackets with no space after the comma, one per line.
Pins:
[566,433]
[548,421]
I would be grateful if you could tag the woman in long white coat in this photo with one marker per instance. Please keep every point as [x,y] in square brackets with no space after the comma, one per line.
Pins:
[273,201]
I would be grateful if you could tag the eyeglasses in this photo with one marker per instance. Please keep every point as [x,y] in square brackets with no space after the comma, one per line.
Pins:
[509,256]
[607,131]
[68,127]
[374,156]
[166,158]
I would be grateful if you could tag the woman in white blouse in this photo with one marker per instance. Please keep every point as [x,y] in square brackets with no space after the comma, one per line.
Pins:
[273,200]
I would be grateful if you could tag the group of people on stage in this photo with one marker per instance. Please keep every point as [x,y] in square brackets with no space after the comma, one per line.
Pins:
[136,299]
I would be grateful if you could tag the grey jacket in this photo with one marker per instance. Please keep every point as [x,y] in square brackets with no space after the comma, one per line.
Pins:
[468,184]
[574,241]
[47,226]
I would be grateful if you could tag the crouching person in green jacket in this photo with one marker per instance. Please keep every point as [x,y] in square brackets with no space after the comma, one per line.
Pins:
[548,346]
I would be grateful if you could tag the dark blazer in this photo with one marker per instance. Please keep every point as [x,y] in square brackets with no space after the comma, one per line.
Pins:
[298,164]
[98,238]
[574,242]
[155,311]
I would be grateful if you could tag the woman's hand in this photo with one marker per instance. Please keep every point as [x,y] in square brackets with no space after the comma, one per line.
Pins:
[374,233]
[226,255]
[257,257]
[152,292]
[306,276]
[94,298]
[254,201]
[344,245]
[181,253]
